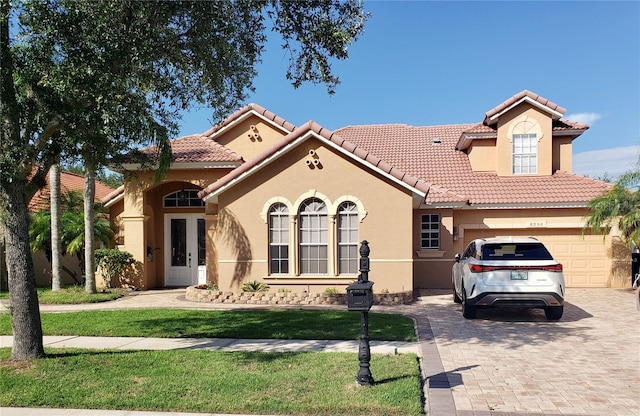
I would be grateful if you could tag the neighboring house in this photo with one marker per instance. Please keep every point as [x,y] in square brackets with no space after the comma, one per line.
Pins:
[255,198]
[68,182]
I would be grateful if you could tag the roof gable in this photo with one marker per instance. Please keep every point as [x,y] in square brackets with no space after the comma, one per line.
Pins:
[245,112]
[554,110]
[300,135]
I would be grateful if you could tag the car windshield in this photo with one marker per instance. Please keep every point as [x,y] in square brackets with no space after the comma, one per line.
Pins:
[520,251]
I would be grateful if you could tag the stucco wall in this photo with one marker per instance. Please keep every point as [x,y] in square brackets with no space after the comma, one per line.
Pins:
[482,155]
[241,240]
[524,112]
[141,216]
[247,141]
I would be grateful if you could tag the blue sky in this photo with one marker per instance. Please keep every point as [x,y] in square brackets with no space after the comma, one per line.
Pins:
[429,63]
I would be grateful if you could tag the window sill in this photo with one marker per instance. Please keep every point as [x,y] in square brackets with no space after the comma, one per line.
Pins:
[305,278]
[430,254]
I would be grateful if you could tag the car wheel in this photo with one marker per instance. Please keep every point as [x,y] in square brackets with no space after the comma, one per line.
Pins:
[553,313]
[456,298]
[468,311]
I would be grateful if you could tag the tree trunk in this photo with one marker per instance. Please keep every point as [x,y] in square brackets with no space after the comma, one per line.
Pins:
[56,254]
[89,233]
[25,311]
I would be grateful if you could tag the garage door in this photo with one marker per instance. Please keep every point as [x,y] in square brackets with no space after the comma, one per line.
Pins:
[583,259]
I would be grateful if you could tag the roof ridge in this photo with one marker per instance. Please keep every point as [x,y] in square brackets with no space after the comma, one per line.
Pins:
[407,125]
[329,135]
[519,96]
[273,117]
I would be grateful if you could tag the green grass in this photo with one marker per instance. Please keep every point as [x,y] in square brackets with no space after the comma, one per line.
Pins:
[72,295]
[181,323]
[212,382]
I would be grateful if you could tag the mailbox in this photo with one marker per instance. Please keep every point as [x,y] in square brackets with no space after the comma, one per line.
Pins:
[360,296]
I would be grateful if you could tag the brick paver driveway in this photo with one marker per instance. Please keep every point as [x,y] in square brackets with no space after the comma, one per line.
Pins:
[514,361]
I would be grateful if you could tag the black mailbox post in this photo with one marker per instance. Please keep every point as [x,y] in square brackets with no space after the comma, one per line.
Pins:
[360,296]
[360,299]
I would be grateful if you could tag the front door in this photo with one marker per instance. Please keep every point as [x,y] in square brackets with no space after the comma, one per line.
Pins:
[184,250]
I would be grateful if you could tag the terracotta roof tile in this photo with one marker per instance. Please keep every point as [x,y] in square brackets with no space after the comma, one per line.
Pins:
[515,99]
[68,182]
[414,151]
[327,134]
[196,149]
[246,109]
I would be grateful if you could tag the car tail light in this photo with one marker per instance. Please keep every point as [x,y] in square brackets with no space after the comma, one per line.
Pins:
[480,268]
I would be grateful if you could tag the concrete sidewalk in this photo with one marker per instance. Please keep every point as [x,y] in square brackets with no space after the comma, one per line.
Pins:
[220,344]
[26,411]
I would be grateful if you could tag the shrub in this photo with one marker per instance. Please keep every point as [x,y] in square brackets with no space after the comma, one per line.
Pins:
[331,291]
[111,262]
[255,286]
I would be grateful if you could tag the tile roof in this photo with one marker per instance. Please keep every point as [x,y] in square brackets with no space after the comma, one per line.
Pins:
[202,148]
[68,182]
[196,149]
[357,151]
[247,109]
[110,197]
[555,109]
[416,151]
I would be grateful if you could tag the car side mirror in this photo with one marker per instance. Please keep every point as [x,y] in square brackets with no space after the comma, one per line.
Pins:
[457,257]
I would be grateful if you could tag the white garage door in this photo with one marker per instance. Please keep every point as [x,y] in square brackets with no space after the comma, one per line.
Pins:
[583,259]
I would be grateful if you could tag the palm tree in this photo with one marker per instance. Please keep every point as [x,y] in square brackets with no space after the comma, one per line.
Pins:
[72,229]
[54,204]
[619,206]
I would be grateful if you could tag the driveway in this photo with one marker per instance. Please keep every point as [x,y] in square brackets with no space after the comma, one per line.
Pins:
[506,362]
[516,362]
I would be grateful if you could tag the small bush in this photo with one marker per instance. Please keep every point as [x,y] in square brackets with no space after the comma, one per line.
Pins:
[111,262]
[255,286]
[331,291]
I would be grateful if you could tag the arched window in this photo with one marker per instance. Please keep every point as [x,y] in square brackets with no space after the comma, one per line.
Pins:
[278,239]
[347,238]
[525,134]
[525,154]
[183,198]
[313,237]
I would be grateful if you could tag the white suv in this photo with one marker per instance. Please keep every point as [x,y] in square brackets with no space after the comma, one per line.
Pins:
[509,271]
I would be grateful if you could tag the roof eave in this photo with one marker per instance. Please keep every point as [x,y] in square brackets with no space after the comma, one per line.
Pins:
[183,165]
[555,115]
[284,127]
[569,132]
[466,138]
[531,205]
[327,139]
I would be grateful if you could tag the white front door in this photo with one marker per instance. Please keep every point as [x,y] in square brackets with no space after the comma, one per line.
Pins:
[184,249]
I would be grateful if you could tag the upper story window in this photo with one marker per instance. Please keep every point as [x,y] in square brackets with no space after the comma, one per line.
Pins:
[278,239]
[430,231]
[183,198]
[313,231]
[525,153]
[348,238]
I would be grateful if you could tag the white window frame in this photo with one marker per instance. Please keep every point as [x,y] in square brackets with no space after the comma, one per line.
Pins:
[313,232]
[279,238]
[525,153]
[430,231]
[190,200]
[347,231]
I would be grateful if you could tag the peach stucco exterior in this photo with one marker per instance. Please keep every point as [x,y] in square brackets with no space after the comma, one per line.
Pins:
[257,160]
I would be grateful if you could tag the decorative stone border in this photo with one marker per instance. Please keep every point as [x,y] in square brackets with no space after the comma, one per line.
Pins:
[202,294]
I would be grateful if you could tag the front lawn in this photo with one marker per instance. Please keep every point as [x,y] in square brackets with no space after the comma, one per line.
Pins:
[72,295]
[248,323]
[212,382]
